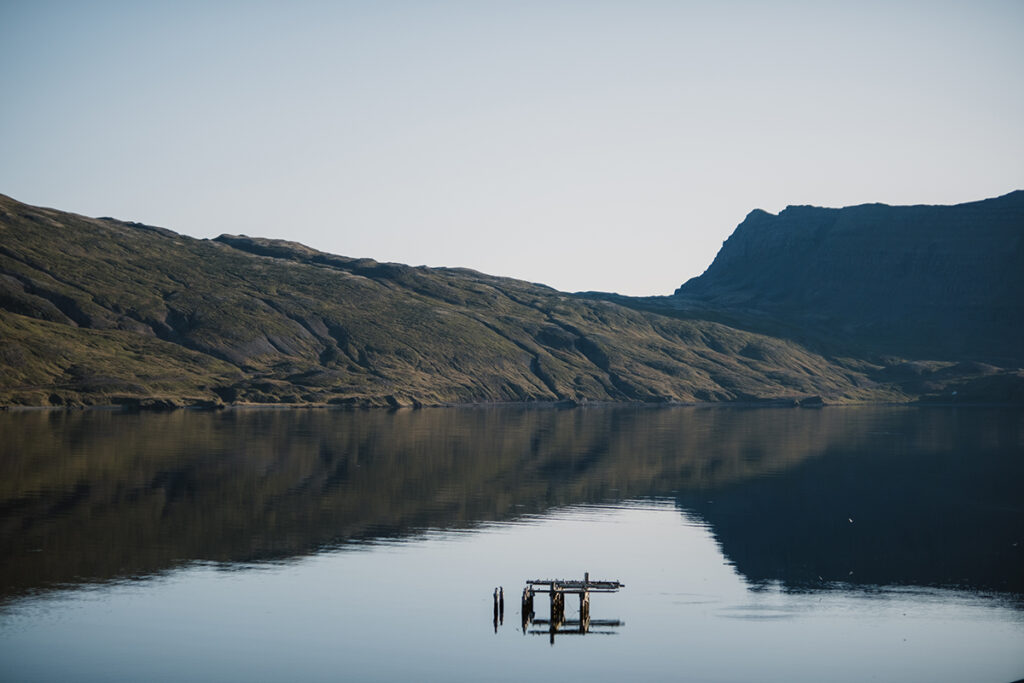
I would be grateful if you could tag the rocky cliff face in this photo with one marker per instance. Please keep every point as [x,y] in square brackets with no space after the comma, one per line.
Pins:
[921,281]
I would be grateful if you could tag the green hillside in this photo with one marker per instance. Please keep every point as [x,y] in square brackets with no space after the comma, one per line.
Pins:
[100,311]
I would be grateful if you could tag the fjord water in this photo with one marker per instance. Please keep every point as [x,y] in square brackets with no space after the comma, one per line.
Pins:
[767,543]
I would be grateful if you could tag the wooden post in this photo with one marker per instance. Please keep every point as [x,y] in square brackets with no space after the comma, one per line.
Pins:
[557,606]
[527,607]
[585,604]
[557,611]
[584,611]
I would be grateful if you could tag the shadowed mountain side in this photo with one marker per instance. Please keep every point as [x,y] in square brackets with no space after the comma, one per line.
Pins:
[939,282]
[99,311]
[103,495]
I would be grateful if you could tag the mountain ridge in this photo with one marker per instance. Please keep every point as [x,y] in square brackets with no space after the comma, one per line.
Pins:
[934,281]
[98,311]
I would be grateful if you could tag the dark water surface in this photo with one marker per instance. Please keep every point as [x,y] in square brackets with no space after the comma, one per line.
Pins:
[841,544]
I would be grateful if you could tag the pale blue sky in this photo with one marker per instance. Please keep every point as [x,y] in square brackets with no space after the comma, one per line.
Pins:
[586,145]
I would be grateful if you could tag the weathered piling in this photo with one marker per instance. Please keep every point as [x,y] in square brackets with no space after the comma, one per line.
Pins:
[557,606]
[527,608]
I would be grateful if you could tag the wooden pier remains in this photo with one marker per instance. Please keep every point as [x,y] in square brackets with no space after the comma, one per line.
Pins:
[557,589]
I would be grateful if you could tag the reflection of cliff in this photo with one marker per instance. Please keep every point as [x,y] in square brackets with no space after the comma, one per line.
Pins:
[931,501]
[92,496]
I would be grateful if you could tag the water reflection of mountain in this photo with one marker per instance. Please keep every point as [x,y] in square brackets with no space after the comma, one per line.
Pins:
[935,500]
[94,496]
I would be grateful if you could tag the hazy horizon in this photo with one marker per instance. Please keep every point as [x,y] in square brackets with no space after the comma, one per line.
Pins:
[587,146]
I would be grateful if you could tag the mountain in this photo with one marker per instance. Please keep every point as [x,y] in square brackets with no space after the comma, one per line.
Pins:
[97,311]
[944,282]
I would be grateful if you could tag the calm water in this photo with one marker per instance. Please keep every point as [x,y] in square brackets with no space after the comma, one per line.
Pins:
[842,544]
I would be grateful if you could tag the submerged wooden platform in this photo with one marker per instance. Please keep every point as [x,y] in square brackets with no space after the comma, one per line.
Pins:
[557,589]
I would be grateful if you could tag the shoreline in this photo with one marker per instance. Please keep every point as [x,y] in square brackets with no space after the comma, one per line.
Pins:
[540,405]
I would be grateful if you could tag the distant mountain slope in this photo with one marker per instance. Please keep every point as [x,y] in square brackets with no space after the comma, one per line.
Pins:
[922,281]
[99,311]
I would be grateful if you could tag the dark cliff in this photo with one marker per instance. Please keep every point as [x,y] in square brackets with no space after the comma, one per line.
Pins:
[944,282]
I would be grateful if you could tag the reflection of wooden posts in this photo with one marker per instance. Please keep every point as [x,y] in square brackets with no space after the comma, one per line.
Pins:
[501,604]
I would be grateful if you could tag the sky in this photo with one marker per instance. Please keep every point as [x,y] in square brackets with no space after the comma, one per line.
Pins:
[609,146]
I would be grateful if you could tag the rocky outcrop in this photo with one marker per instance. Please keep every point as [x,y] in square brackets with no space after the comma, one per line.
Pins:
[943,282]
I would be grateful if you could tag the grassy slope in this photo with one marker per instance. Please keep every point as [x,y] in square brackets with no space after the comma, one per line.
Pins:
[97,311]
